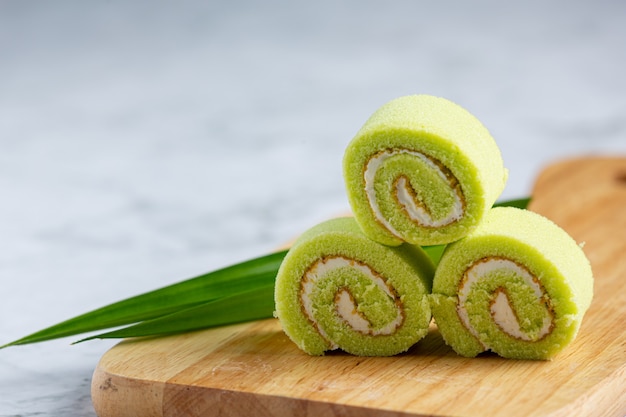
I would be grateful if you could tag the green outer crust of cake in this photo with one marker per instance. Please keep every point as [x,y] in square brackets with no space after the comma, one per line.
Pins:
[406,268]
[441,130]
[546,251]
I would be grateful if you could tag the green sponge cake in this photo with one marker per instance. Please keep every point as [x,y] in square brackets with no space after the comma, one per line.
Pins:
[518,285]
[422,170]
[337,289]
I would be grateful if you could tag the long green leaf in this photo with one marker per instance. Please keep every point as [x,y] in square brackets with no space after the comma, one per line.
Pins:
[254,304]
[218,284]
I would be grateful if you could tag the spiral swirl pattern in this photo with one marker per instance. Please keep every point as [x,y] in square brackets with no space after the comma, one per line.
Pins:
[518,286]
[346,294]
[337,289]
[422,170]
[505,288]
[408,199]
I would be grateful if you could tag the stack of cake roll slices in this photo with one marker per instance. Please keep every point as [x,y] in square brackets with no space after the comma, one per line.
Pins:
[423,171]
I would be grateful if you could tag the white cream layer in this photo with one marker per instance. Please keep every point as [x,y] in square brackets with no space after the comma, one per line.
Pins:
[501,311]
[404,194]
[346,307]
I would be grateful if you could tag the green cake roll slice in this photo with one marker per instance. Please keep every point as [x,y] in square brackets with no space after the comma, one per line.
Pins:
[337,289]
[422,170]
[518,285]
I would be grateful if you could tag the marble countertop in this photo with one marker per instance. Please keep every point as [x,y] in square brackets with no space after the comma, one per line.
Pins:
[146,142]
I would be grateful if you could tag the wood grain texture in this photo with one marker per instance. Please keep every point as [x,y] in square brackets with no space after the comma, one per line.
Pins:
[252,369]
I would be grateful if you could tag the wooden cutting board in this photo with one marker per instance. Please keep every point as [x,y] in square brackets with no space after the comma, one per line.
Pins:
[252,369]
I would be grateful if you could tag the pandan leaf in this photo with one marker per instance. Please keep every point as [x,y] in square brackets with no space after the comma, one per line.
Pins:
[235,279]
[254,304]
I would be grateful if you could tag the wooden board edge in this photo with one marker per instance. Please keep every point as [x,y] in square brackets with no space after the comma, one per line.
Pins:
[117,396]
[193,401]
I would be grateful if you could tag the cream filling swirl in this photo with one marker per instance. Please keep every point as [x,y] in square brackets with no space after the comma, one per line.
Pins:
[345,304]
[501,310]
[406,196]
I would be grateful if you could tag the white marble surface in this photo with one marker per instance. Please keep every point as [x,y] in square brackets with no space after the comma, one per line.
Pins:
[145,142]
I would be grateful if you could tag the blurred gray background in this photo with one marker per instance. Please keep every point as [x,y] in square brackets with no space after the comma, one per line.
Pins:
[144,142]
